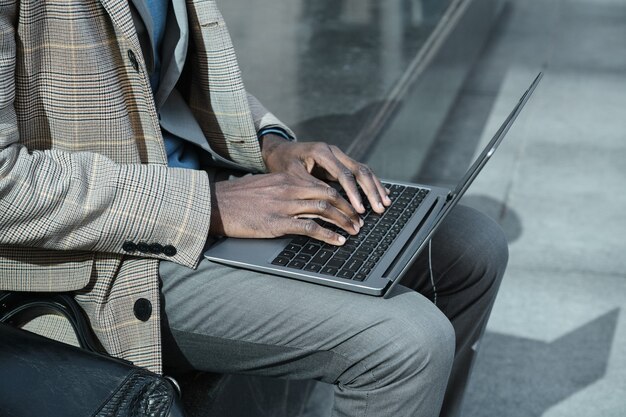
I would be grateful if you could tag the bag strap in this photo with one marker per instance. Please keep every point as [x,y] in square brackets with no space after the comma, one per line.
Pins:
[17,309]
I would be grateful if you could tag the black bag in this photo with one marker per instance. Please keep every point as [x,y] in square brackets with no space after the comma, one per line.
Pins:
[43,377]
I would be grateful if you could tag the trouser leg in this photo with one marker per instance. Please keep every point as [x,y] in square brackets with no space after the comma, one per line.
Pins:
[384,357]
[467,259]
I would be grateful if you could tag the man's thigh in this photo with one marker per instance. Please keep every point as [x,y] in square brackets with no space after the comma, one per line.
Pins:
[225,319]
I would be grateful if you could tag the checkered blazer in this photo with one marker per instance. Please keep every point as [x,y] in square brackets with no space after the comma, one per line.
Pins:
[82,163]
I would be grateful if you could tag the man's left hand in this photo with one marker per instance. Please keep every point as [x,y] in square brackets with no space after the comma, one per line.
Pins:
[325,162]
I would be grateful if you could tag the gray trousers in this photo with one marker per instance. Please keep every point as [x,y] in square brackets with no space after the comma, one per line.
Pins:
[403,356]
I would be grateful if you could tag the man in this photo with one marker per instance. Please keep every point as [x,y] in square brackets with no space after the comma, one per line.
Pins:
[112,161]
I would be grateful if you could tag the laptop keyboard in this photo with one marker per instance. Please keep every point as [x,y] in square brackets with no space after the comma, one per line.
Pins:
[360,254]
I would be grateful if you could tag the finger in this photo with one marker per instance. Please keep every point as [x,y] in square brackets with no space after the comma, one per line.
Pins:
[325,210]
[378,199]
[370,184]
[319,190]
[310,228]
[342,174]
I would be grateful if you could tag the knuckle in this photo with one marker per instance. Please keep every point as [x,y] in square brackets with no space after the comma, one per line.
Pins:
[364,170]
[323,205]
[332,193]
[346,173]
[309,226]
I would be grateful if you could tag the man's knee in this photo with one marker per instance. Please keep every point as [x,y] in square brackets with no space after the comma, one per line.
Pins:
[480,249]
[491,250]
[411,340]
[430,339]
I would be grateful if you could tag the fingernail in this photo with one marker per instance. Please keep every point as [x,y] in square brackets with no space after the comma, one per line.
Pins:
[380,205]
[361,222]
[387,200]
[361,206]
[356,226]
[342,240]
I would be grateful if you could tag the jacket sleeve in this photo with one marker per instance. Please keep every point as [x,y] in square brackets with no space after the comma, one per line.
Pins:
[86,202]
[263,119]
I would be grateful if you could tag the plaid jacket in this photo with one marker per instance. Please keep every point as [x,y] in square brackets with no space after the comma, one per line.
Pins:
[84,186]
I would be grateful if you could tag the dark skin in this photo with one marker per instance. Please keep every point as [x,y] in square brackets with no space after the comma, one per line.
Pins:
[285,200]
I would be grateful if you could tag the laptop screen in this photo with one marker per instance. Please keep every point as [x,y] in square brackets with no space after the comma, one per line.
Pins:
[482,159]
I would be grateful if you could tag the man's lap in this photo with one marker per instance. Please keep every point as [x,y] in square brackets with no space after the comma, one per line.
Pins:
[394,354]
[231,320]
[254,310]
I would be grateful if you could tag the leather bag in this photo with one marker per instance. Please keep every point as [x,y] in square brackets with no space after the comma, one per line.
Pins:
[42,377]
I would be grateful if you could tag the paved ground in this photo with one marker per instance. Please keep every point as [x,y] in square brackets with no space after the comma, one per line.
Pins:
[555,343]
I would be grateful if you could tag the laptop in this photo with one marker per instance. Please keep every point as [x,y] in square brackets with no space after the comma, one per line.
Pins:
[376,259]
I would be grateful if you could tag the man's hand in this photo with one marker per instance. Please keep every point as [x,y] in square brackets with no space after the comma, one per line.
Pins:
[272,205]
[322,161]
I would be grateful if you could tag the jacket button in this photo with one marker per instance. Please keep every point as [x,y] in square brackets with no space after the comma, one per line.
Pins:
[143,247]
[133,60]
[143,309]
[129,246]
[156,249]
[169,250]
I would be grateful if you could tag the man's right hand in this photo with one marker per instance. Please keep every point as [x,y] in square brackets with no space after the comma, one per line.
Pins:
[274,205]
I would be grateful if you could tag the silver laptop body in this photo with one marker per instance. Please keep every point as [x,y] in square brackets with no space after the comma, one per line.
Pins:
[261,254]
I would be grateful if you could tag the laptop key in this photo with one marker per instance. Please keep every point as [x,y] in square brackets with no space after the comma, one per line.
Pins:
[328,246]
[303,258]
[344,273]
[310,249]
[350,247]
[293,248]
[335,263]
[369,265]
[296,264]
[287,254]
[343,255]
[361,254]
[327,270]
[280,261]
[353,265]
[313,268]
[360,276]
[300,240]
[368,247]
[322,257]
[358,238]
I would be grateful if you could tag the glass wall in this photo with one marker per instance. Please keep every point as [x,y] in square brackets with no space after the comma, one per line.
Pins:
[323,66]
